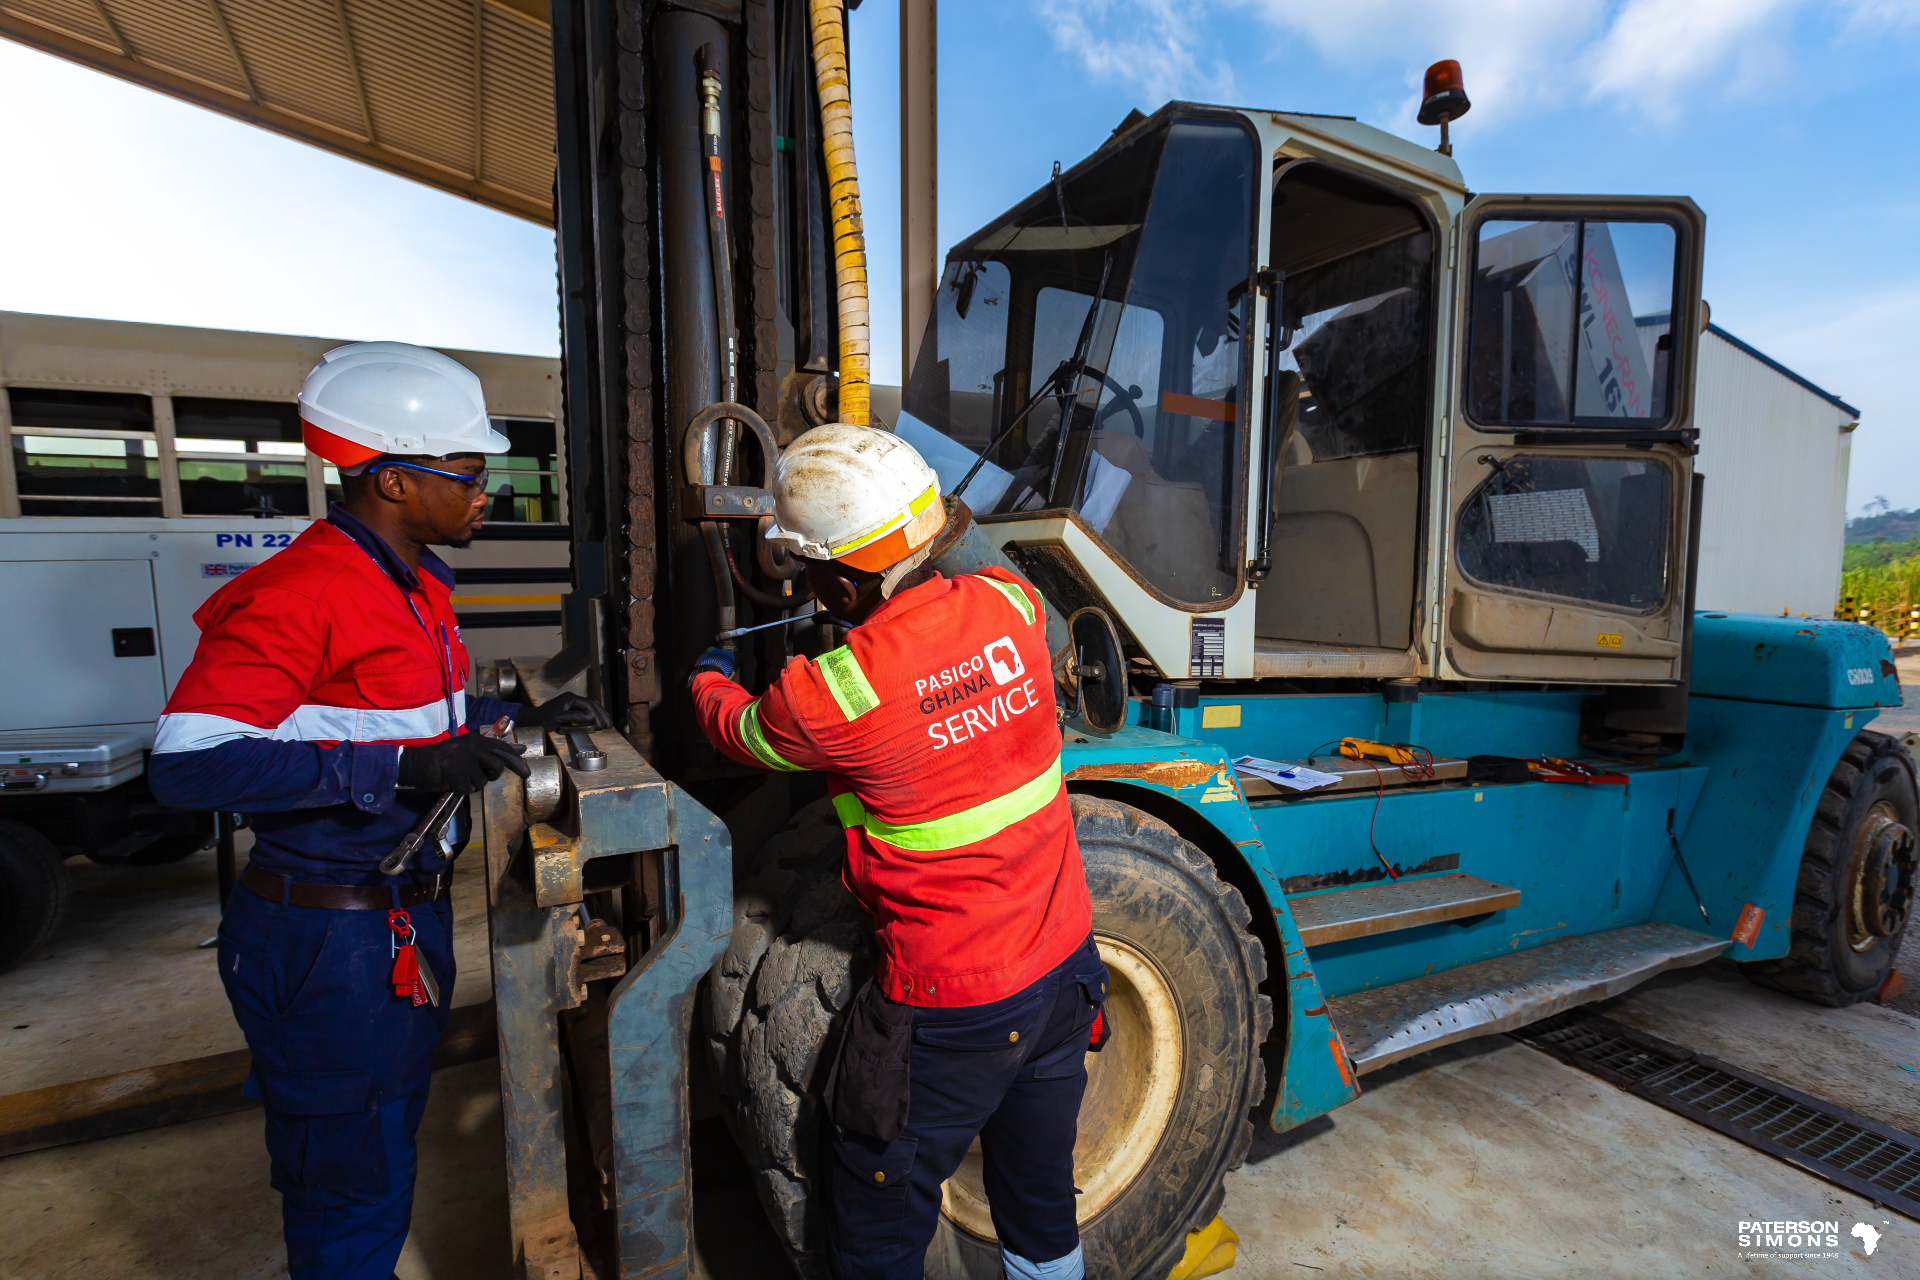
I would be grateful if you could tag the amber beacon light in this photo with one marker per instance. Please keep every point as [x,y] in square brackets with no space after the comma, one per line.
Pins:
[1444,99]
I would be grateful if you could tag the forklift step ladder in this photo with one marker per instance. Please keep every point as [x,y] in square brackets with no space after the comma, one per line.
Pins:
[1369,909]
[1384,1025]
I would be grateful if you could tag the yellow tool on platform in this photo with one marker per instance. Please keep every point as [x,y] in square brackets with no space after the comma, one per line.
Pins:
[1210,1250]
[1364,748]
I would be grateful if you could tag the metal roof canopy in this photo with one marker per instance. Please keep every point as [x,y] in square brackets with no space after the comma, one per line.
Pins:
[456,94]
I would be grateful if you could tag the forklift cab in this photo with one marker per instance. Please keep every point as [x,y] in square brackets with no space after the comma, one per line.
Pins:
[1286,402]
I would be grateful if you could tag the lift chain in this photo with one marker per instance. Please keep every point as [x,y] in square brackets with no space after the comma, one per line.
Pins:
[632,18]
[763,236]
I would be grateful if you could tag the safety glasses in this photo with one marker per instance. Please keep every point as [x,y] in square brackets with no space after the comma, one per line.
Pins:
[476,481]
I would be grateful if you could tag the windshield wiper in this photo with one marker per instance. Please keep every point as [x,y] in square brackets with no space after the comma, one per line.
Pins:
[1054,385]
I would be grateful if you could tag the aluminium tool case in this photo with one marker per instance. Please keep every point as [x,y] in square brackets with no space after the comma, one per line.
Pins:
[42,761]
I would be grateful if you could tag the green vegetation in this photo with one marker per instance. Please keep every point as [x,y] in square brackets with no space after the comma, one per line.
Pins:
[1880,586]
[1877,554]
[1880,570]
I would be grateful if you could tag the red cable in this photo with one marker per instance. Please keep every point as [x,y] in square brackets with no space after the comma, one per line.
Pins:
[1380,789]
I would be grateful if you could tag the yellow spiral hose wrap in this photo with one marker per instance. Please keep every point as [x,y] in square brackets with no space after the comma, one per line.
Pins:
[843,193]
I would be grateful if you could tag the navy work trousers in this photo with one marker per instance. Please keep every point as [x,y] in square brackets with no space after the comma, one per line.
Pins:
[343,1067]
[1012,1073]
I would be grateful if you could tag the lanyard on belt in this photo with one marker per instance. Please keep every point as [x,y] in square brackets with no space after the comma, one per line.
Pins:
[446,661]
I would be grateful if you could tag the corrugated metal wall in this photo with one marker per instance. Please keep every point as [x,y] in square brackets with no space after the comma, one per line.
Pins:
[1775,457]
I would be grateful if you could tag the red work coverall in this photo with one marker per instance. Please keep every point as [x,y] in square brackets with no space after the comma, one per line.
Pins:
[935,725]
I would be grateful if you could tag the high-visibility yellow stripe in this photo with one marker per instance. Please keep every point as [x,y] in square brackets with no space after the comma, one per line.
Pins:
[914,508]
[847,683]
[756,740]
[1015,594]
[969,826]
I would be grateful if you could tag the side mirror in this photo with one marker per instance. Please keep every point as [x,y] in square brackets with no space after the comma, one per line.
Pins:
[1099,670]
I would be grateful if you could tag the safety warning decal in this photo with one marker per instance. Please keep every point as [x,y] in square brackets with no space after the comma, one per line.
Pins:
[1207,648]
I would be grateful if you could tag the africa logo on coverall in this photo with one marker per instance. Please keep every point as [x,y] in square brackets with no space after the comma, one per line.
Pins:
[1004,672]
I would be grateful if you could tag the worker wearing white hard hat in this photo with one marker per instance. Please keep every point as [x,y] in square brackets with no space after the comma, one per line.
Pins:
[935,726]
[327,701]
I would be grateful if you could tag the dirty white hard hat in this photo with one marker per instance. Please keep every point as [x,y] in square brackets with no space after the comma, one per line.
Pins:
[858,495]
[373,398]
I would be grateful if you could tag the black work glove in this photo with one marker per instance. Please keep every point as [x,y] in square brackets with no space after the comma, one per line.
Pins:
[564,711]
[463,764]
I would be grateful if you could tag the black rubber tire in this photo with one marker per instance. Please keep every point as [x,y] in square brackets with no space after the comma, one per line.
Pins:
[1821,964]
[34,892]
[801,947]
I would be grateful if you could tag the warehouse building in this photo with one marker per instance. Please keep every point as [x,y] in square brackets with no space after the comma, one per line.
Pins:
[1774,450]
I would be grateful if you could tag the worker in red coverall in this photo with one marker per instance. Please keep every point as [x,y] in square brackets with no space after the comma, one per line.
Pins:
[935,726]
[326,701]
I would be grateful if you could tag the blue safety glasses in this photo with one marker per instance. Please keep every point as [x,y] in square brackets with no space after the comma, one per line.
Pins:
[478,480]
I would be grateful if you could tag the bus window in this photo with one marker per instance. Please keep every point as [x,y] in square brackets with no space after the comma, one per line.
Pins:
[84,453]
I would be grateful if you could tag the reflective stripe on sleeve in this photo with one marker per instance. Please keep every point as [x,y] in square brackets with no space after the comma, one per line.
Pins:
[847,683]
[756,740]
[312,722]
[969,826]
[1015,594]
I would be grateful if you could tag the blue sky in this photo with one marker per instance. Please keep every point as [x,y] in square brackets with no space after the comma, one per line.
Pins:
[1789,121]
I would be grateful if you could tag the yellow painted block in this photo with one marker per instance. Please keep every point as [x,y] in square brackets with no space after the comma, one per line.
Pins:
[1220,717]
[1210,1250]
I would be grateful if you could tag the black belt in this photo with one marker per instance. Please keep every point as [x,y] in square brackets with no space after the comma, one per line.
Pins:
[339,897]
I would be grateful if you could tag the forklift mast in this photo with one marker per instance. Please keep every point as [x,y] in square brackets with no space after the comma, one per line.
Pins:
[642,344]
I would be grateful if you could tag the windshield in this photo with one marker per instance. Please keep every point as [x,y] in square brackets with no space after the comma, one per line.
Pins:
[1108,309]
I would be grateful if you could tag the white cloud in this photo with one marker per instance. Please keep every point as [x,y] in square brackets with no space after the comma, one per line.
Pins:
[1655,51]
[1155,45]
[1871,17]
[1647,56]
[1508,49]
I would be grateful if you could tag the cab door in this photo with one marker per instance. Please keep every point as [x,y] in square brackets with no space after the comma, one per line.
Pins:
[1568,439]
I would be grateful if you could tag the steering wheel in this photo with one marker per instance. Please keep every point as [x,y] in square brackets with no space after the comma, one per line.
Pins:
[1123,398]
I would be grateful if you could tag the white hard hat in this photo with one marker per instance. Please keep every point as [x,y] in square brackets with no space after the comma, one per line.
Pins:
[858,495]
[372,398]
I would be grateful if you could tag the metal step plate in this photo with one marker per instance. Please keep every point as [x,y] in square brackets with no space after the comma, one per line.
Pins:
[1355,775]
[1387,1024]
[1368,909]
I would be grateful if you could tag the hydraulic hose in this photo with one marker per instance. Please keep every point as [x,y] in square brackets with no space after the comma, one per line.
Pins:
[720,253]
[843,193]
[719,558]
[720,561]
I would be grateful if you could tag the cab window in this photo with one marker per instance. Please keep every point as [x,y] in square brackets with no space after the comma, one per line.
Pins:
[1569,323]
[1086,352]
[1587,529]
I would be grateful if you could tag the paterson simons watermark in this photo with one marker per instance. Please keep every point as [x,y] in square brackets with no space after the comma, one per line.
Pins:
[1786,1241]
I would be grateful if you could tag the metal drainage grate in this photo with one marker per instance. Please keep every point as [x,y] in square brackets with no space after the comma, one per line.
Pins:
[1842,1146]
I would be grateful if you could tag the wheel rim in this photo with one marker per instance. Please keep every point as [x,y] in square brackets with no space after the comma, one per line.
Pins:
[1880,880]
[1132,1087]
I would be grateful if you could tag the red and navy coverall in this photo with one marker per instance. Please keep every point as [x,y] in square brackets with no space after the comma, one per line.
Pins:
[935,727]
[314,669]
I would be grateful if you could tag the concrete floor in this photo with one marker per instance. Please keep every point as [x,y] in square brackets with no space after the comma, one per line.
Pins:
[131,937]
[1481,1159]
[1488,1158]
